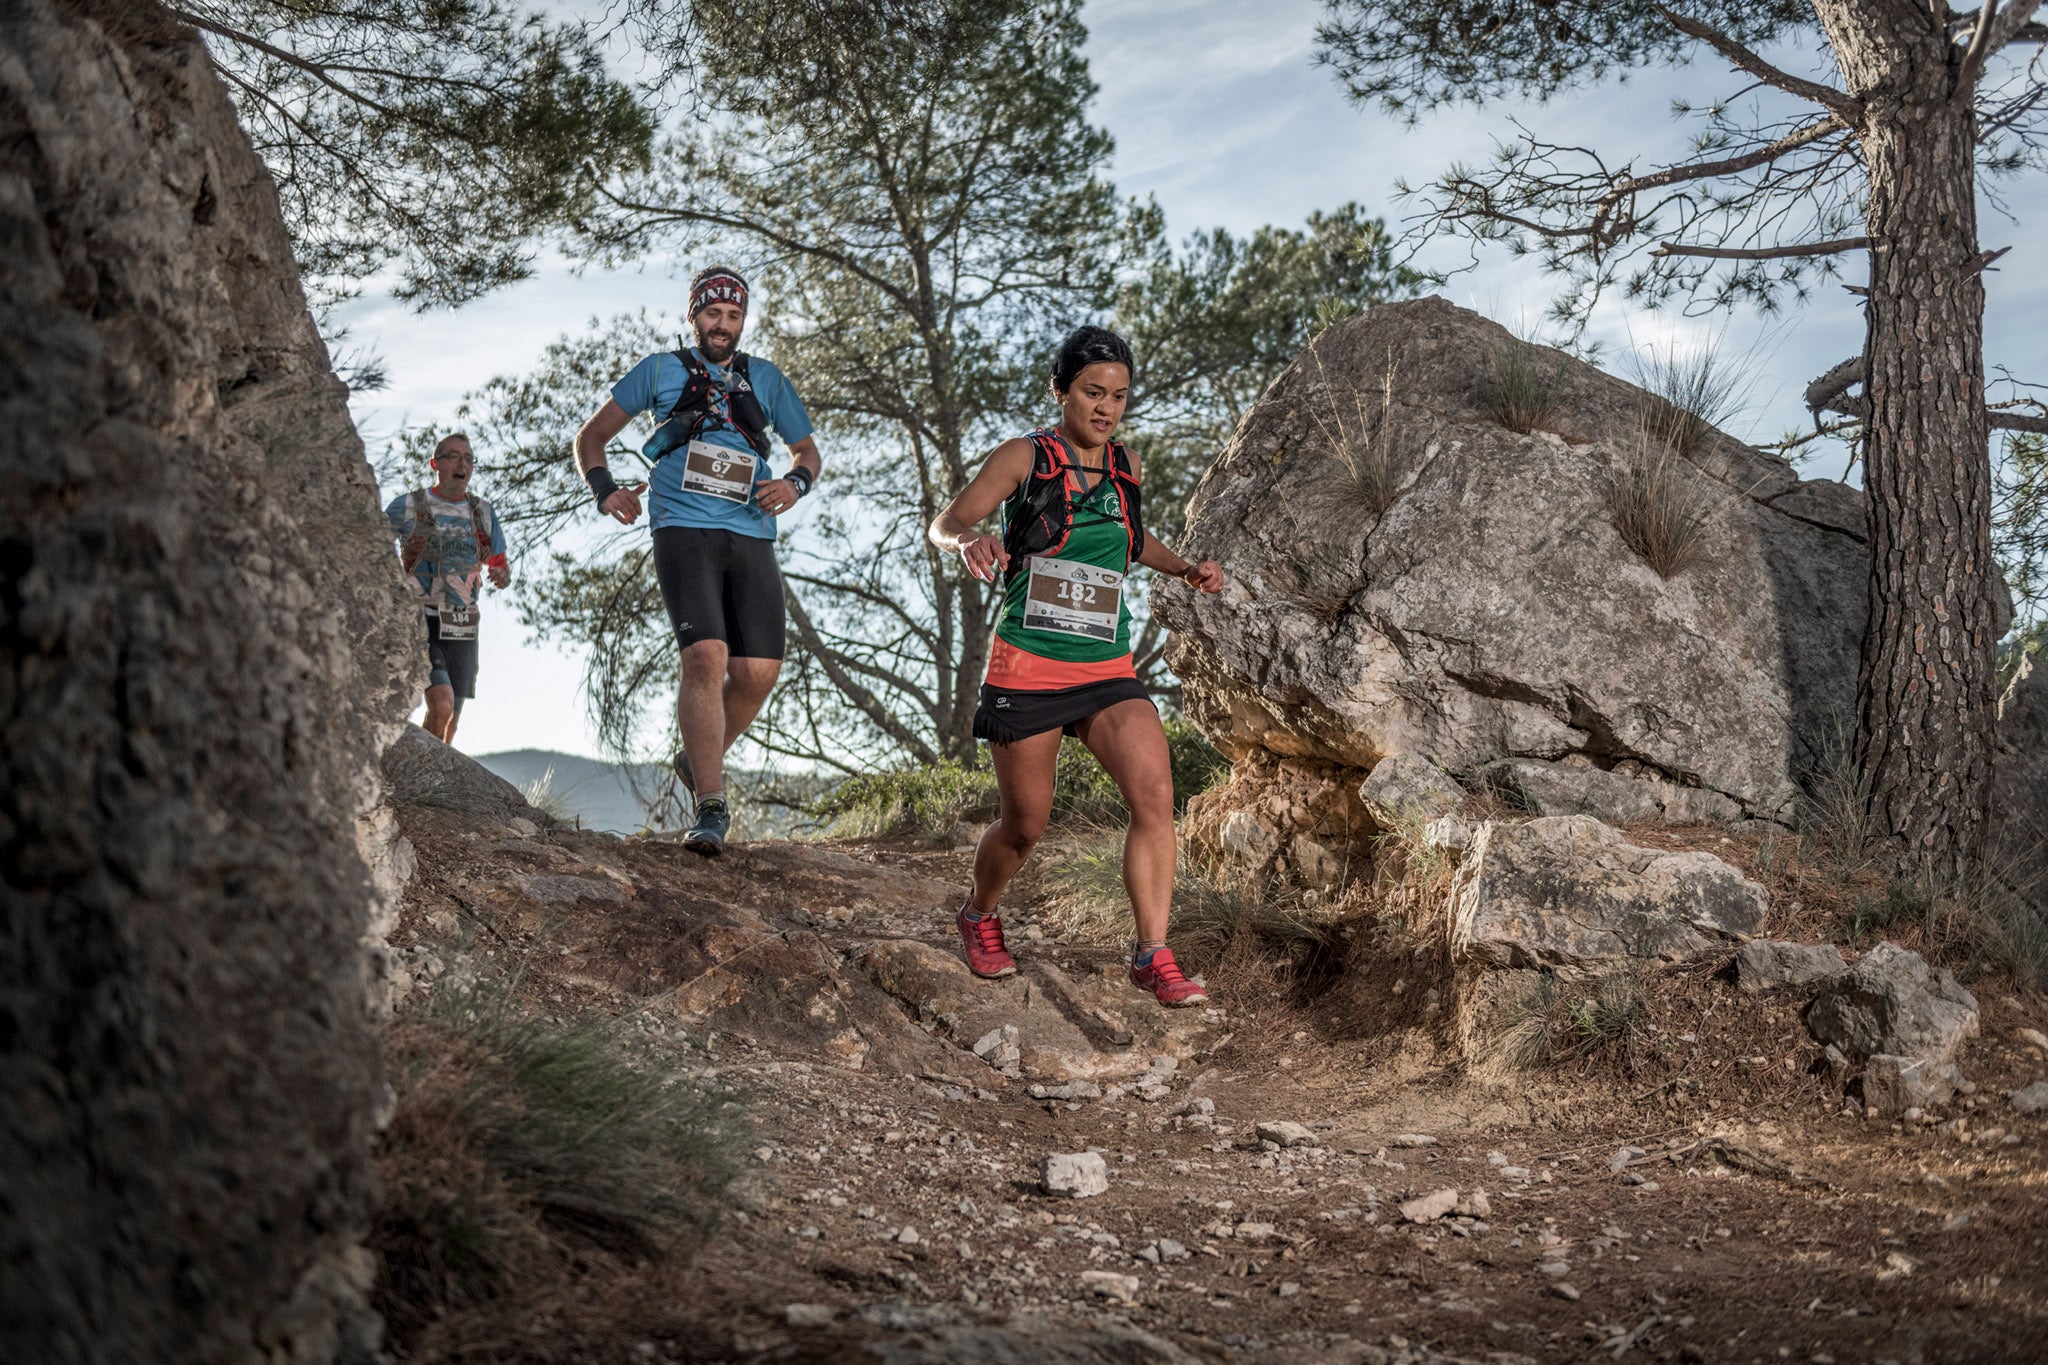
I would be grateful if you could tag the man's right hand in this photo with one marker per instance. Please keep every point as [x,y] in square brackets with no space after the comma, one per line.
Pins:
[984,555]
[623,505]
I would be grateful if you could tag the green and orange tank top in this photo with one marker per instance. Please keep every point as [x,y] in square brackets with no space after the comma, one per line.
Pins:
[1065,621]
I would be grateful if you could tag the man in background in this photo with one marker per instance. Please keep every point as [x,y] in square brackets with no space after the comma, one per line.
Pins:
[448,540]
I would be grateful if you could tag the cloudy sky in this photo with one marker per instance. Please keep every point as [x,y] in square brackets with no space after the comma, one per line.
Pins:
[1218,112]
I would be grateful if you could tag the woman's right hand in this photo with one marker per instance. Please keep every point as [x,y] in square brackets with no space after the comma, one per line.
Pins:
[985,555]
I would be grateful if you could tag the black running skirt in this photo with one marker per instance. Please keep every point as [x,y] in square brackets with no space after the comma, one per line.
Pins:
[1006,717]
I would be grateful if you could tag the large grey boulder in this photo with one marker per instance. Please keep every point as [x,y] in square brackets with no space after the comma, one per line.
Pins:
[1893,1003]
[203,647]
[1493,612]
[1568,894]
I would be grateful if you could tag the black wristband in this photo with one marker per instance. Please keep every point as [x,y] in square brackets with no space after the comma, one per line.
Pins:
[602,484]
[799,479]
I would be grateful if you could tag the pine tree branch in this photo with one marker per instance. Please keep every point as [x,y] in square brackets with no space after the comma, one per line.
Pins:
[1993,30]
[1762,253]
[1829,392]
[863,700]
[2003,419]
[1838,102]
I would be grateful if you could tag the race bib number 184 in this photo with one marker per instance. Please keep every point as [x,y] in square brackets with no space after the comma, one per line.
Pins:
[718,472]
[1079,599]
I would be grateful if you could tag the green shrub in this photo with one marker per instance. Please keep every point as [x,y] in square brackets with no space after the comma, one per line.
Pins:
[924,802]
[927,802]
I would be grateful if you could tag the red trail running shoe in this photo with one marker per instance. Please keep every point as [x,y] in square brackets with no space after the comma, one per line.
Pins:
[986,955]
[1163,978]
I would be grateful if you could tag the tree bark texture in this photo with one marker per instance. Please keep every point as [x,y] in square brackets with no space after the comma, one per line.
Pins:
[1925,699]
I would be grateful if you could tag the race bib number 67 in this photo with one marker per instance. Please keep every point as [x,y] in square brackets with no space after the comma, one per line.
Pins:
[718,472]
[1078,599]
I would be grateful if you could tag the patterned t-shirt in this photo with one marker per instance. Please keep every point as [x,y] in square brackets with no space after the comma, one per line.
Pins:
[448,571]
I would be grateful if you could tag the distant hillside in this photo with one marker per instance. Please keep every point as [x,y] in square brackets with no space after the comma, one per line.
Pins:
[623,798]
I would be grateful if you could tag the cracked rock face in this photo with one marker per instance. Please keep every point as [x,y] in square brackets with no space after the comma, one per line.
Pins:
[204,644]
[1566,893]
[1493,612]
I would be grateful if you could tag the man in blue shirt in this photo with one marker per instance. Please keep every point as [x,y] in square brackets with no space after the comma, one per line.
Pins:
[448,539]
[714,503]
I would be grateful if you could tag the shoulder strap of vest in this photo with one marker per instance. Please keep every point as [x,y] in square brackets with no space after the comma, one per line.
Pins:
[419,529]
[1048,454]
[483,532]
[696,383]
[1134,518]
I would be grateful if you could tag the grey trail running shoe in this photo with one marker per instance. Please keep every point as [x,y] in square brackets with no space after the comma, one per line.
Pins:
[707,835]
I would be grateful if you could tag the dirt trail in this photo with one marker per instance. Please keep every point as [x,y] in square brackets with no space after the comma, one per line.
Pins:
[892,1209]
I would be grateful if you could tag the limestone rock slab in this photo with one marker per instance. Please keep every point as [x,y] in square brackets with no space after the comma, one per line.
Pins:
[1569,894]
[1766,965]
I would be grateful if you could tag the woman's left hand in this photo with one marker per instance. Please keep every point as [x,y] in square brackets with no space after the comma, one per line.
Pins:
[1206,576]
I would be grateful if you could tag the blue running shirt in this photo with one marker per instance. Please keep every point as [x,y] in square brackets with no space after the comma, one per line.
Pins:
[654,385]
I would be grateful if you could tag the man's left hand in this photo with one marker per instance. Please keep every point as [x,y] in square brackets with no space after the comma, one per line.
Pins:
[775,496]
[501,576]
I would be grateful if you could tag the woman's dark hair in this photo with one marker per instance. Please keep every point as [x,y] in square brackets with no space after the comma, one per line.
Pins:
[1087,346]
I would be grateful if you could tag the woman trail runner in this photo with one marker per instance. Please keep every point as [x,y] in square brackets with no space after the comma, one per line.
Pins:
[1061,663]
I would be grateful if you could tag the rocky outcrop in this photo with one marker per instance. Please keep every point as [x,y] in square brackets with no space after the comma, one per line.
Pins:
[1892,1003]
[1492,613]
[203,647]
[420,770]
[1041,1024]
[1293,818]
[1567,894]
[1402,789]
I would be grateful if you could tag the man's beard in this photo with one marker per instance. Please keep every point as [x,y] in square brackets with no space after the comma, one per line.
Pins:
[717,351]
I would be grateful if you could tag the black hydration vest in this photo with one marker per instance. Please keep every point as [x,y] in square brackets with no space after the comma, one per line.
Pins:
[694,404]
[1040,514]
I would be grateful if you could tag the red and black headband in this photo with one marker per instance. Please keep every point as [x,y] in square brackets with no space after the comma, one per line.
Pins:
[717,286]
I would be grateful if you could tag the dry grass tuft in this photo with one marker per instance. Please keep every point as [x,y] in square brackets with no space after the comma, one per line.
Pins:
[1661,507]
[1523,395]
[1214,919]
[1554,1022]
[1689,393]
[522,1148]
[543,795]
[1365,440]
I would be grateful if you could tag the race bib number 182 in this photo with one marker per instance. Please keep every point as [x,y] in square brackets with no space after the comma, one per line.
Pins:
[1079,599]
[718,472]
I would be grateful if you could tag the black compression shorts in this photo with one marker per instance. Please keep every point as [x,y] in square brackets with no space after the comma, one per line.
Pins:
[451,663]
[720,586]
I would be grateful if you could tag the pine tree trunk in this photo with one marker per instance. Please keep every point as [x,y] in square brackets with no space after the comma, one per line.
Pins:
[1925,694]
